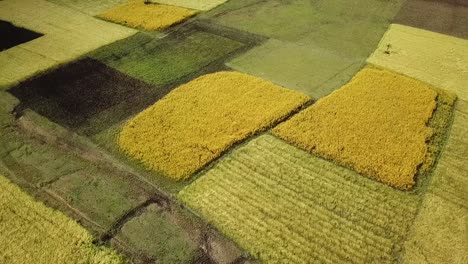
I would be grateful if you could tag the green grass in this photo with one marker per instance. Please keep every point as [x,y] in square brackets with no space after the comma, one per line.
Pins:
[283,205]
[160,62]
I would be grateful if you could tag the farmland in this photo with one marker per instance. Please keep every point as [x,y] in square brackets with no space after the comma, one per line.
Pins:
[282,204]
[67,239]
[192,4]
[233,131]
[137,14]
[361,126]
[163,62]
[163,140]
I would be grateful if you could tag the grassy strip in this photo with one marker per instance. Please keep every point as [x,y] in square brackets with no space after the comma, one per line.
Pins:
[25,222]
[439,123]
[138,14]
[375,124]
[286,206]
[199,120]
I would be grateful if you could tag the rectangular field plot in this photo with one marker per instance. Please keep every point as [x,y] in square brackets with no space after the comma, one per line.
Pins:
[86,95]
[431,57]
[196,122]
[285,206]
[439,233]
[193,4]
[380,124]
[90,7]
[139,14]
[347,28]
[161,62]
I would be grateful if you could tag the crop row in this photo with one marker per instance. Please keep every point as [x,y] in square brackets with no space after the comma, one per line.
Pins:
[285,206]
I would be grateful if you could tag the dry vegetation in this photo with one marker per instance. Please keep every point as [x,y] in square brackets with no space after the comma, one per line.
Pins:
[199,120]
[375,124]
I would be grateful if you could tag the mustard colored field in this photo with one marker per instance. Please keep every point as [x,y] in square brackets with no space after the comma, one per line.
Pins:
[375,124]
[137,14]
[199,120]
[34,233]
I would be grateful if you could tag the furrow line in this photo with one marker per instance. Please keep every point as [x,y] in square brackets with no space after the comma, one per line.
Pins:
[285,210]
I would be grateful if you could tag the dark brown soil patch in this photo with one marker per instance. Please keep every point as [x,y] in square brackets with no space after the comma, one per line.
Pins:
[86,95]
[12,36]
[448,17]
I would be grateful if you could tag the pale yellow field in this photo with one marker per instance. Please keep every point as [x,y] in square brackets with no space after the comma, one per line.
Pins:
[68,34]
[375,124]
[438,59]
[193,4]
[137,14]
[199,120]
[33,233]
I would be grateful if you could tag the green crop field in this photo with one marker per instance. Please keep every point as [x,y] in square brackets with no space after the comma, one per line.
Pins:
[160,62]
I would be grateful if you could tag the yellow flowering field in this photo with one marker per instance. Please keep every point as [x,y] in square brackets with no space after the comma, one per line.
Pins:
[198,121]
[30,232]
[376,124]
[137,14]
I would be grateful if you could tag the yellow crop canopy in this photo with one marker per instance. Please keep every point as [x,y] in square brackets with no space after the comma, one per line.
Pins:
[376,124]
[198,121]
[151,16]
